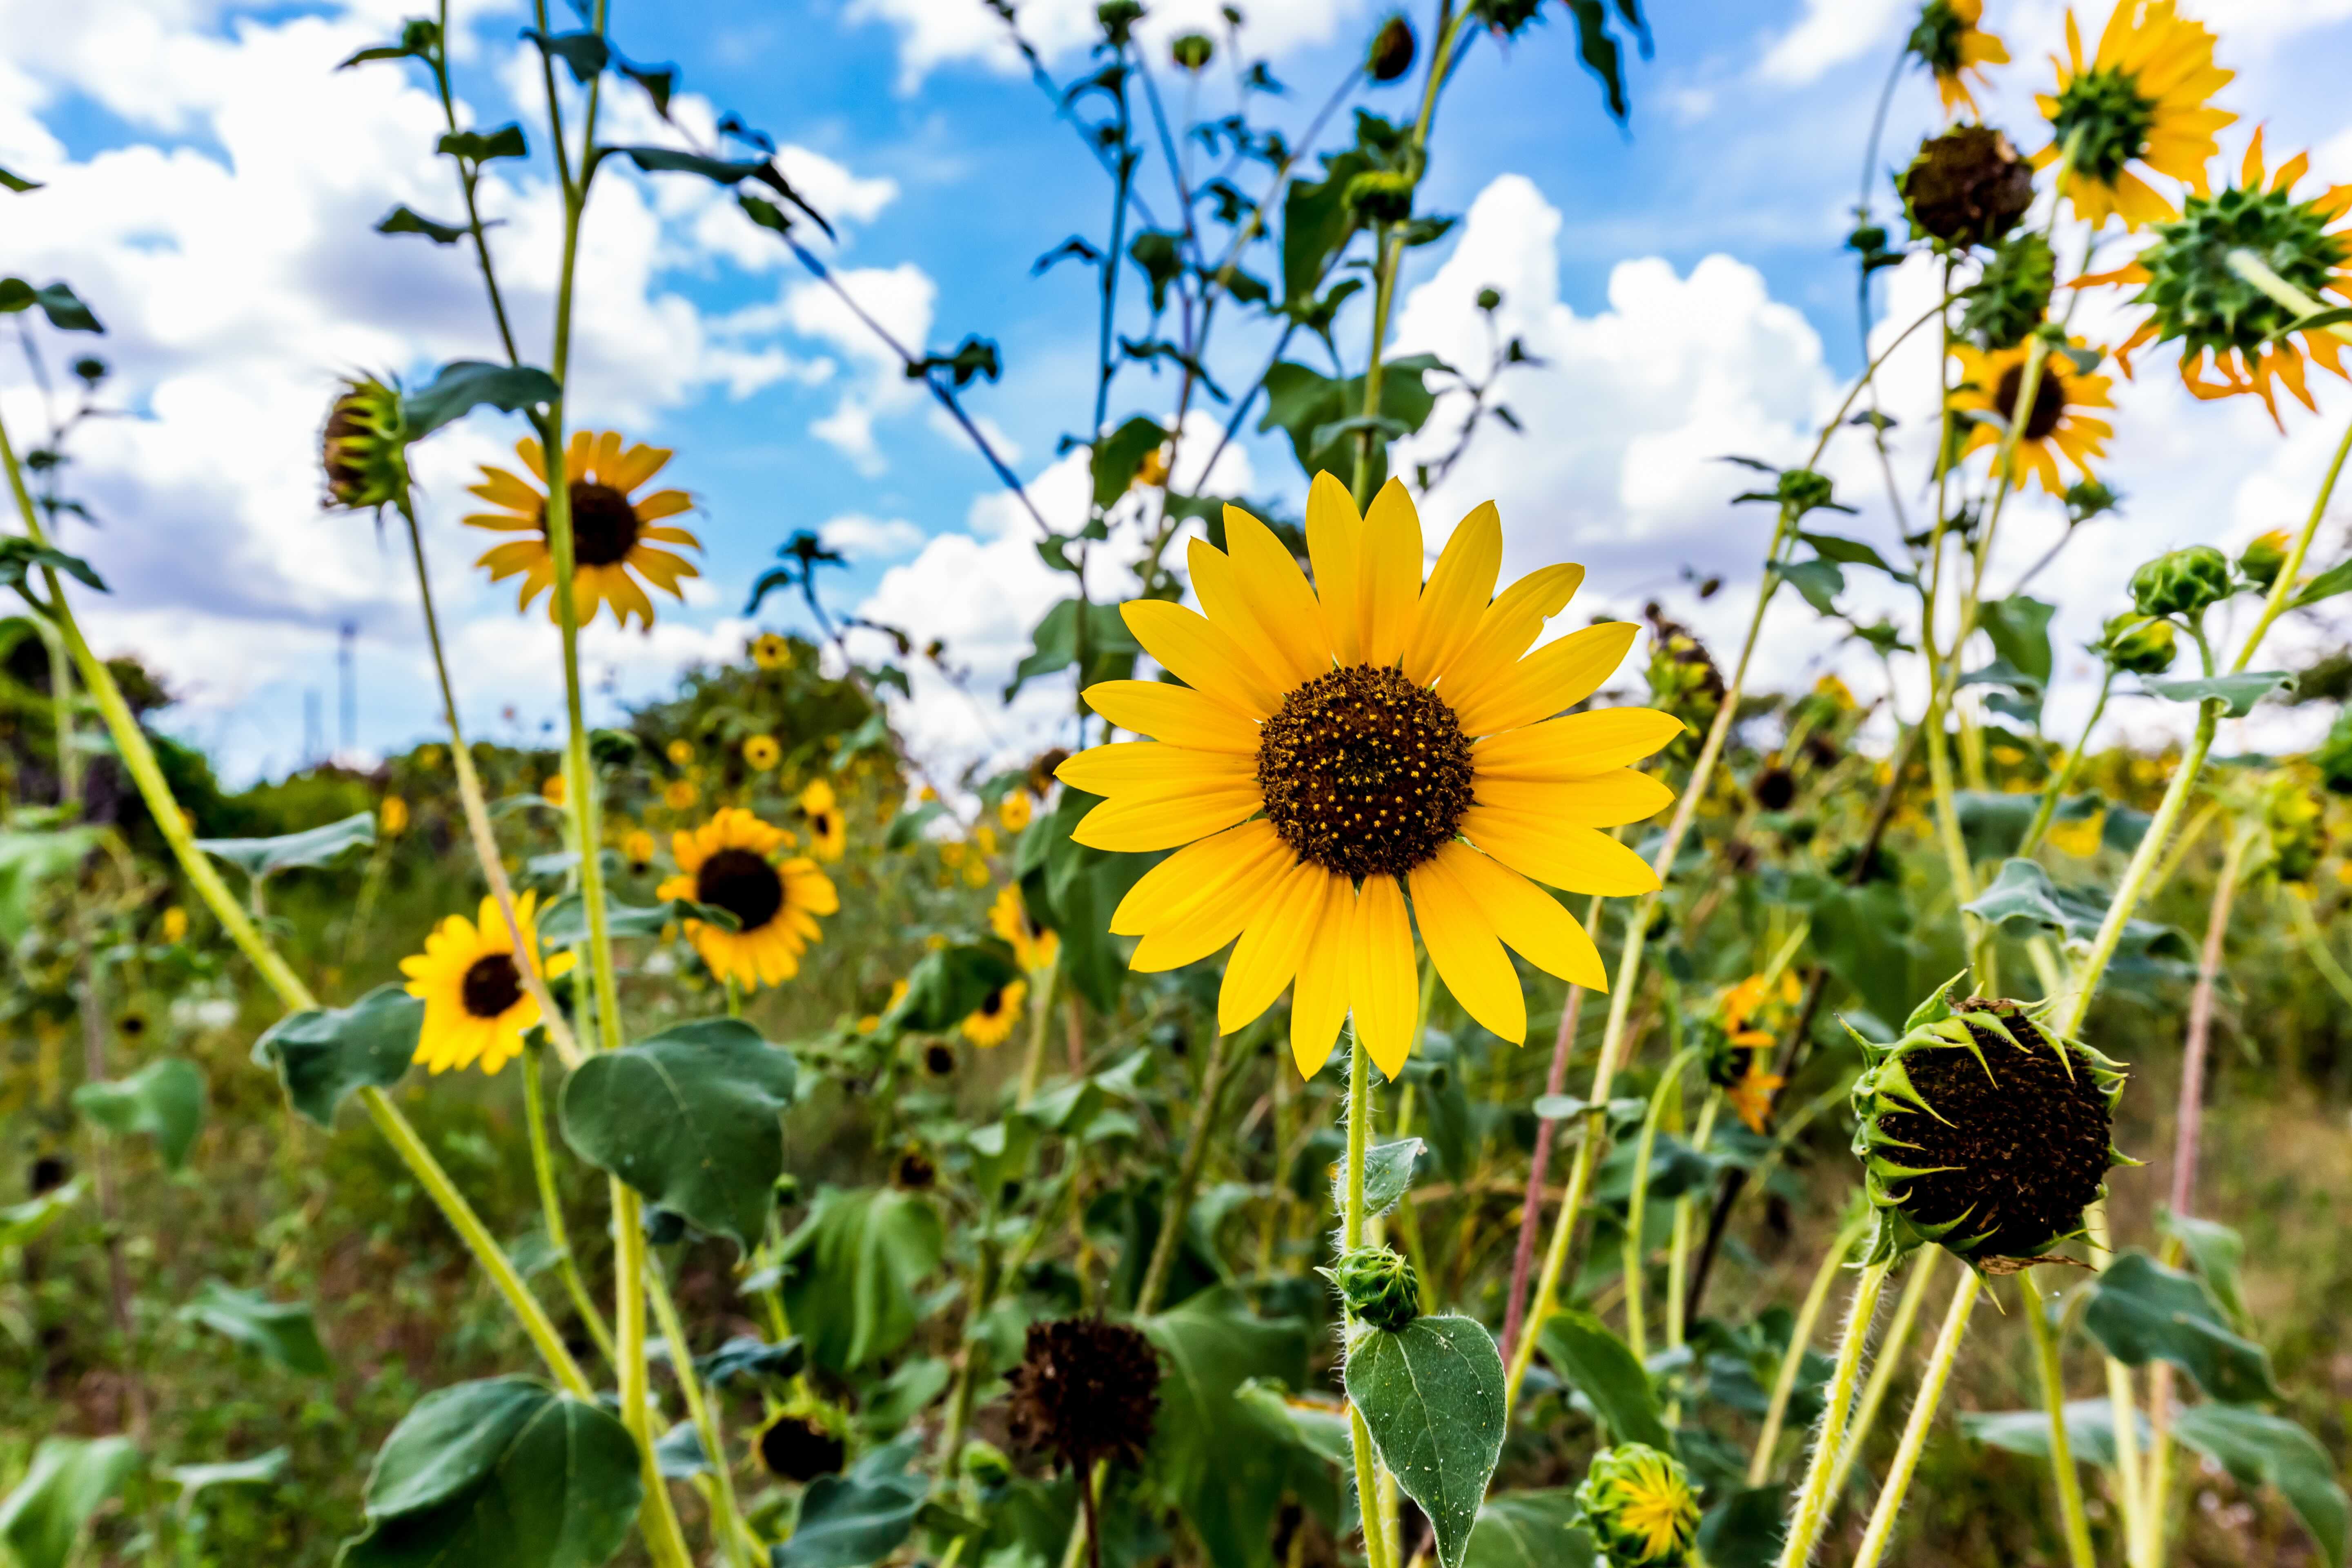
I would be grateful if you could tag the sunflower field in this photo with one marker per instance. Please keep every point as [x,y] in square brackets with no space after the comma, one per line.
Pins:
[1421,1072]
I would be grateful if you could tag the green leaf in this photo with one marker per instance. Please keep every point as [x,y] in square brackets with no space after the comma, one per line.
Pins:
[259,1470]
[19,556]
[22,1224]
[2257,1447]
[1993,824]
[41,1521]
[2090,1431]
[584,54]
[2217,1251]
[2019,626]
[905,829]
[1388,1175]
[692,1119]
[1432,1394]
[744,1357]
[680,1455]
[405,219]
[1300,402]
[1313,1426]
[906,1394]
[1853,552]
[947,986]
[17,183]
[165,1099]
[861,1517]
[671,161]
[1071,889]
[851,1269]
[29,859]
[565,921]
[283,1331]
[1744,1530]
[2143,1311]
[1224,1465]
[1819,582]
[1054,647]
[59,303]
[1599,51]
[463,385]
[323,1054]
[1602,1368]
[481,146]
[315,846]
[419,37]
[1530,1530]
[2239,692]
[2023,900]
[1118,455]
[2335,580]
[505,1473]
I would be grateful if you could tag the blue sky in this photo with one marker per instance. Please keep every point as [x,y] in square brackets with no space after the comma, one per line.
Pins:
[211,186]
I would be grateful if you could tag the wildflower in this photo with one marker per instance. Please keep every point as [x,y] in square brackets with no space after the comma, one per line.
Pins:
[1033,947]
[828,835]
[1086,1390]
[1329,750]
[1966,187]
[2144,98]
[975,873]
[477,1002]
[362,453]
[1948,40]
[1751,1094]
[762,752]
[680,751]
[1639,1506]
[612,534]
[2080,837]
[728,862]
[2056,425]
[1379,1286]
[2139,645]
[1015,810]
[392,816]
[770,651]
[989,1023]
[551,789]
[983,837]
[2182,582]
[176,924]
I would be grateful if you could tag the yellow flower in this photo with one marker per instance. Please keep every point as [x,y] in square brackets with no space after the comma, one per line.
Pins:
[1835,693]
[770,651]
[927,794]
[985,836]
[680,751]
[988,1024]
[2079,838]
[1033,947]
[869,1024]
[392,816]
[2056,426]
[828,834]
[936,943]
[612,535]
[1751,1098]
[975,873]
[176,924]
[1015,810]
[727,862]
[1955,49]
[680,794]
[638,848]
[552,788]
[951,853]
[2144,98]
[1343,753]
[1750,1010]
[476,1002]
[762,752]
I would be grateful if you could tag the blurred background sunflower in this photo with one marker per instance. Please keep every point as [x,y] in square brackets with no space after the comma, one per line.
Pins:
[613,535]
[476,1001]
[2058,424]
[728,863]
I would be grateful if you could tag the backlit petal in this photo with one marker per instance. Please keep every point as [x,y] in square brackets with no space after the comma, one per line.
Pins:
[1558,675]
[1577,745]
[1383,982]
[1318,1001]
[1334,545]
[1176,714]
[1456,595]
[1391,588]
[1469,957]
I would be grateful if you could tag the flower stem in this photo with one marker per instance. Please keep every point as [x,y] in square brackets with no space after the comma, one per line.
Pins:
[1188,1179]
[1884,1365]
[1352,1236]
[2064,775]
[1637,1203]
[657,1518]
[727,1520]
[2284,585]
[1923,1414]
[550,1204]
[1540,1162]
[2076,1524]
[2314,945]
[1817,1493]
[1033,1066]
[1760,1464]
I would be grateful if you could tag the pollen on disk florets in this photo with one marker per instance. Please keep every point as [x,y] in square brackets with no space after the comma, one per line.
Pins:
[1365,774]
[2198,298]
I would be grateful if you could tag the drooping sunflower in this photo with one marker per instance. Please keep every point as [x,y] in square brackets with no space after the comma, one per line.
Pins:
[1342,752]
[612,534]
[476,1002]
[2195,297]
[730,862]
[828,834]
[1033,947]
[992,1020]
[1949,41]
[2056,425]
[2146,98]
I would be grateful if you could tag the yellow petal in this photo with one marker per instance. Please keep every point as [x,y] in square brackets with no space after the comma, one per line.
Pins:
[1212,918]
[1278,596]
[527,449]
[1390,584]
[1507,627]
[1138,823]
[500,488]
[1333,546]
[1574,859]
[1383,982]
[662,504]
[1192,876]
[1606,800]
[636,466]
[1200,655]
[1269,953]
[1151,768]
[1530,920]
[1217,584]
[1558,675]
[1469,957]
[1176,714]
[1456,595]
[1578,745]
[1319,1002]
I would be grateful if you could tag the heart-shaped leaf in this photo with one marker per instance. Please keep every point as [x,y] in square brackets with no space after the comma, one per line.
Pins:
[1530,1530]
[1432,1394]
[323,1054]
[165,1099]
[1388,1175]
[464,385]
[2144,1311]
[853,1267]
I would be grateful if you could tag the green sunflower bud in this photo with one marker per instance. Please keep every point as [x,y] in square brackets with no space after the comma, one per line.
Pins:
[1379,1286]
[2333,757]
[1192,52]
[1966,187]
[1639,1506]
[362,454]
[2139,645]
[1392,50]
[2265,558]
[2012,296]
[1981,1131]
[1382,195]
[1683,679]
[2181,583]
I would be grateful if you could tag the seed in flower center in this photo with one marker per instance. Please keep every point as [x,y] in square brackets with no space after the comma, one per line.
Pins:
[743,884]
[491,985]
[604,524]
[1364,772]
[2049,400]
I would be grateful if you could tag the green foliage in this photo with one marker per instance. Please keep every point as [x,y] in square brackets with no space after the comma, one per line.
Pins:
[2145,1311]
[1530,1530]
[2257,1448]
[323,1054]
[165,1099]
[1210,1456]
[463,385]
[263,857]
[41,1521]
[862,1517]
[1432,1394]
[1324,419]
[282,1331]
[851,1271]
[1603,1368]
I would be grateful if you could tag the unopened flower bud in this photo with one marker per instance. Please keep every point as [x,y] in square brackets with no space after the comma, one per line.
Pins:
[362,454]
[1639,1506]
[1392,51]
[1379,1286]
[1192,52]
[2140,645]
[2182,582]
[1382,195]
[2263,559]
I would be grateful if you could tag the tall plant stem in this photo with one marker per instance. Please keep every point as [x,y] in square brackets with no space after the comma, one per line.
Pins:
[1040,1017]
[1885,1366]
[551,1203]
[1187,1177]
[743,1547]
[2073,1521]
[2053,792]
[657,1518]
[467,178]
[1636,1251]
[1760,1462]
[1352,1236]
[1523,1257]
[118,1275]
[1940,1361]
[1816,1493]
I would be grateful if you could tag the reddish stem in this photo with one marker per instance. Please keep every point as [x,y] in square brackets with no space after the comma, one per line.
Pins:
[1539,1167]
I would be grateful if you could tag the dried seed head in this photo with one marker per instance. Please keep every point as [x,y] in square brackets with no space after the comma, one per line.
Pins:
[1966,187]
[1392,51]
[1088,1389]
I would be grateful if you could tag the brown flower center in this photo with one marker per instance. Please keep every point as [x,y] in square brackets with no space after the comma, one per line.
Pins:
[1364,772]
[492,984]
[2049,400]
[993,1003]
[743,884]
[605,526]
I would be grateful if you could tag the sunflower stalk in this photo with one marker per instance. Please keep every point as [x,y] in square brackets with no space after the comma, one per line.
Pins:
[1885,1366]
[2046,809]
[2074,1524]
[1635,1252]
[1379,1550]
[1761,1460]
[1817,1493]
[742,1548]
[551,1202]
[1938,1371]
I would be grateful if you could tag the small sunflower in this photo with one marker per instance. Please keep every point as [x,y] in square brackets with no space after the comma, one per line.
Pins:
[770,651]
[1015,810]
[991,1021]
[2057,425]
[680,751]
[612,534]
[477,1004]
[1950,43]
[953,853]
[828,834]
[680,794]
[2145,97]
[1343,753]
[363,453]
[761,753]
[176,924]
[728,862]
[392,816]
[1033,947]
[551,789]
[638,848]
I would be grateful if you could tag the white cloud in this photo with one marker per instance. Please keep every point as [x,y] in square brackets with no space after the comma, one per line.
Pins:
[898,299]
[863,537]
[1830,32]
[935,33]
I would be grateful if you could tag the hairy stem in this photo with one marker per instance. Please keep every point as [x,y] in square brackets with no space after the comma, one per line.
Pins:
[1817,1492]
[1761,1461]
[1923,1414]
[2074,1524]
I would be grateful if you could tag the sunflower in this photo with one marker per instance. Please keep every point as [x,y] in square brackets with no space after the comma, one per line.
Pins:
[2057,425]
[1033,946]
[680,751]
[176,924]
[392,816]
[610,533]
[1337,756]
[1949,41]
[1750,1098]
[477,1004]
[770,651]
[2196,298]
[1015,810]
[638,848]
[728,862]
[2143,99]
[680,794]
[991,1021]
[761,753]
[828,835]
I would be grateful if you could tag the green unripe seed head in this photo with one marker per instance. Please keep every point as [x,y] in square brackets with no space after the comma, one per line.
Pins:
[1379,1286]
[2182,582]
[362,455]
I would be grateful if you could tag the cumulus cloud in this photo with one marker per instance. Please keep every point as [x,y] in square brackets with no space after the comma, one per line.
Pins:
[935,33]
[863,537]
[1828,34]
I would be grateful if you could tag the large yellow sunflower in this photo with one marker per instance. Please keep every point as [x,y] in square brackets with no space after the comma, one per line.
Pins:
[730,862]
[992,1020]
[1344,751]
[828,834]
[1955,49]
[2144,98]
[2056,425]
[610,533]
[1033,947]
[477,1004]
